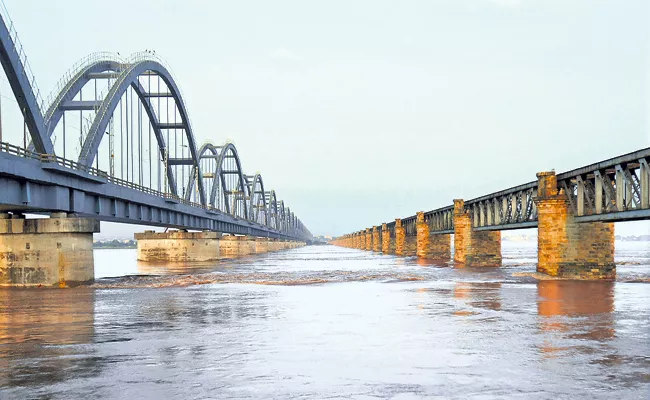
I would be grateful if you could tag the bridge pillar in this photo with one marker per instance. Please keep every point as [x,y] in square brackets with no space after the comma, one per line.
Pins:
[400,237]
[261,245]
[236,246]
[274,245]
[474,248]
[565,248]
[357,241]
[410,243]
[376,241]
[368,236]
[46,251]
[385,240]
[177,246]
[404,245]
[436,246]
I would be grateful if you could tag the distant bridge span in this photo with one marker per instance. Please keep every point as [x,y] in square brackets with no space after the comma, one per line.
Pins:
[573,211]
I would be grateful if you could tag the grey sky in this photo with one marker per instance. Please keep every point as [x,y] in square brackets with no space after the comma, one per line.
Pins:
[358,112]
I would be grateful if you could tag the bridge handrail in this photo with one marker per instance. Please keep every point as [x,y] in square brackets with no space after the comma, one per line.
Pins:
[52,158]
[80,65]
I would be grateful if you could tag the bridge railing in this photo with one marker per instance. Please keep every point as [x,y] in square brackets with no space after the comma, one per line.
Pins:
[603,190]
[66,79]
[440,220]
[54,159]
[73,165]
[514,207]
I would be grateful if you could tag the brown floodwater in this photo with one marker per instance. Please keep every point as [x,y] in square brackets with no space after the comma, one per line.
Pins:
[324,322]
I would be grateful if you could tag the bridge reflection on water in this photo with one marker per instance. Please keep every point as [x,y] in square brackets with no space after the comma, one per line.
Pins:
[371,325]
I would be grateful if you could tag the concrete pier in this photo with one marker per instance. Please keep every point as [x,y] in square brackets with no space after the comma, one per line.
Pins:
[261,245]
[178,246]
[182,246]
[236,246]
[46,251]
[565,248]
[474,248]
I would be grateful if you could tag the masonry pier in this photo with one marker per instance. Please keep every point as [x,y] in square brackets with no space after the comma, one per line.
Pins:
[566,248]
[368,236]
[376,240]
[387,245]
[431,246]
[46,251]
[474,248]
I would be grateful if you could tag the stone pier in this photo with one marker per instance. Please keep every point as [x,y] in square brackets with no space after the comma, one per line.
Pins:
[400,237]
[368,238]
[177,246]
[474,248]
[386,241]
[46,251]
[565,248]
[376,242]
[435,247]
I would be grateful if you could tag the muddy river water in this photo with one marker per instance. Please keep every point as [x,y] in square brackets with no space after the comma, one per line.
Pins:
[323,322]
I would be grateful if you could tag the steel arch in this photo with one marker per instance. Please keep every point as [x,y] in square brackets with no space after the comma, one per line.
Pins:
[128,78]
[228,147]
[75,84]
[20,84]
[257,187]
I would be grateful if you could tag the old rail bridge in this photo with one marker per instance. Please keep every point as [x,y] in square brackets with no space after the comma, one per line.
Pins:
[574,213]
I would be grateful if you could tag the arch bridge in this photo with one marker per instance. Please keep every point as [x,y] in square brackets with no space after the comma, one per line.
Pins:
[114,142]
[131,118]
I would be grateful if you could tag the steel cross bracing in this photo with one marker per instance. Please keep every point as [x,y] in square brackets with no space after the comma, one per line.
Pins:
[617,189]
[206,182]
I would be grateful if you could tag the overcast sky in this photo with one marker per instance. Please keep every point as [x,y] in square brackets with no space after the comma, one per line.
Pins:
[358,112]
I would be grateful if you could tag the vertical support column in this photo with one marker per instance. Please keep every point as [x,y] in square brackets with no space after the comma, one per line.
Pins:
[462,231]
[368,236]
[400,237]
[376,242]
[385,239]
[261,245]
[474,248]
[46,251]
[566,248]
[431,246]
[423,238]
[177,246]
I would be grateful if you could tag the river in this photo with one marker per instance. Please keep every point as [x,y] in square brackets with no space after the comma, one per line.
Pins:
[324,322]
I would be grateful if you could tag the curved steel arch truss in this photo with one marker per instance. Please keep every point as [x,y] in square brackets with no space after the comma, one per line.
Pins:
[216,179]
